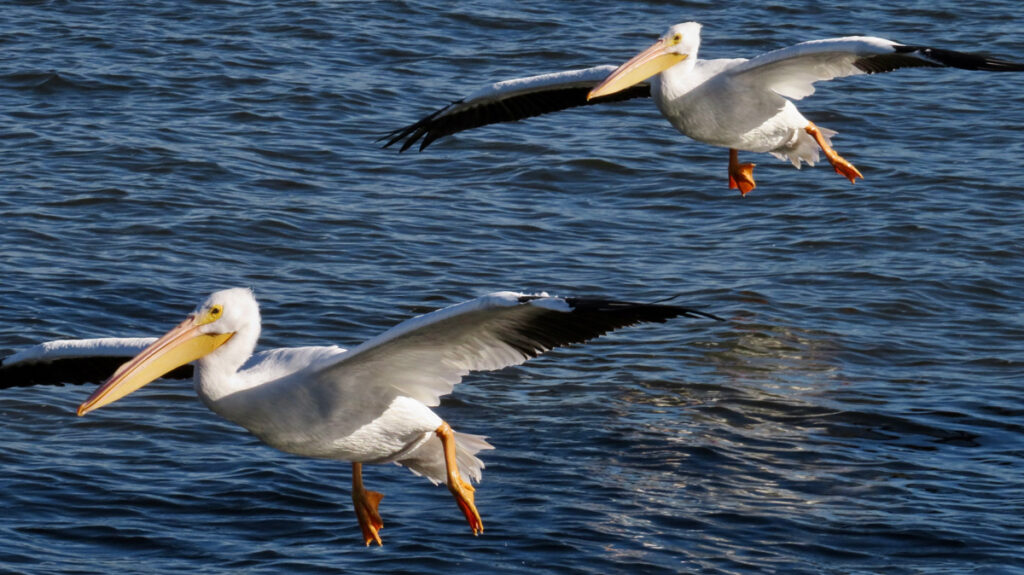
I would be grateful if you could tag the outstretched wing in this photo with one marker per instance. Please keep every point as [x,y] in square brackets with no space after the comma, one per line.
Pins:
[426,356]
[793,71]
[512,100]
[74,361]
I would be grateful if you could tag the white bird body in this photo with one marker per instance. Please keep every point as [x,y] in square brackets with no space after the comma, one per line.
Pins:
[693,95]
[371,404]
[325,420]
[699,99]
[738,104]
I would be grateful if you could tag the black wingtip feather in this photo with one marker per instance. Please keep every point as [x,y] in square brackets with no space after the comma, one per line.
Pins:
[590,318]
[452,119]
[962,60]
[643,312]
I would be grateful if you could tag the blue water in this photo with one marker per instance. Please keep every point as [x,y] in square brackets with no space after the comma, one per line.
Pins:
[860,412]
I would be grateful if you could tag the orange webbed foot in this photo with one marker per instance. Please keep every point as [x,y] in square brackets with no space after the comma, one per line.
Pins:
[460,489]
[741,176]
[846,169]
[463,493]
[365,503]
[842,167]
[369,519]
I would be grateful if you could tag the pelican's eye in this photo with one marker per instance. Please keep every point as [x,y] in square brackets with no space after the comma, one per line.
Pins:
[214,313]
[677,38]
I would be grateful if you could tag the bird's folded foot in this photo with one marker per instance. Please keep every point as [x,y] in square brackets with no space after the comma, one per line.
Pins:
[463,493]
[365,503]
[846,169]
[741,176]
[459,488]
[369,519]
[842,167]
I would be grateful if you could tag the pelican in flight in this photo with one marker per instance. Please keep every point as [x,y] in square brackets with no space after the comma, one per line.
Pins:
[735,103]
[370,404]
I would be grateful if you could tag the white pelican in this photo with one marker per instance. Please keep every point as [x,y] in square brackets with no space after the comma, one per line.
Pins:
[368,405]
[734,103]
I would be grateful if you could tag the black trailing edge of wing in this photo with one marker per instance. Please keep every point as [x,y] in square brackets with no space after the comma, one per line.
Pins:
[921,56]
[589,319]
[450,119]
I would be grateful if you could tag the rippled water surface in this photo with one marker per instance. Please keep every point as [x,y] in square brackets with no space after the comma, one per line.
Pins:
[859,412]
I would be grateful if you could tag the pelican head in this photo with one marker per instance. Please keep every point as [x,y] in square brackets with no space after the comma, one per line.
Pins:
[679,43]
[228,321]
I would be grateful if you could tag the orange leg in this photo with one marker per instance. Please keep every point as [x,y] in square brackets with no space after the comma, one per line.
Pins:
[462,490]
[366,506]
[740,175]
[842,167]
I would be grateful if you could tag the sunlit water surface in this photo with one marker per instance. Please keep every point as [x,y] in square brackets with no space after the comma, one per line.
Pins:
[859,412]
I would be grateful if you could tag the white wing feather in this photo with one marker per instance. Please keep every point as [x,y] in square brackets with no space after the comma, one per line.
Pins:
[424,357]
[79,348]
[791,72]
[511,100]
[585,78]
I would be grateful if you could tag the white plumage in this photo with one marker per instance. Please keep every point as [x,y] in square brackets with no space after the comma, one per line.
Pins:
[371,404]
[77,348]
[738,103]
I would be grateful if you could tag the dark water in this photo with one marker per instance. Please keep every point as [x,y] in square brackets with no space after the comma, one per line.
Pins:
[860,412]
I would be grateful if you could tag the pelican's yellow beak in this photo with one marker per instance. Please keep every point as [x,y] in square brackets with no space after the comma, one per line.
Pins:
[651,61]
[181,345]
